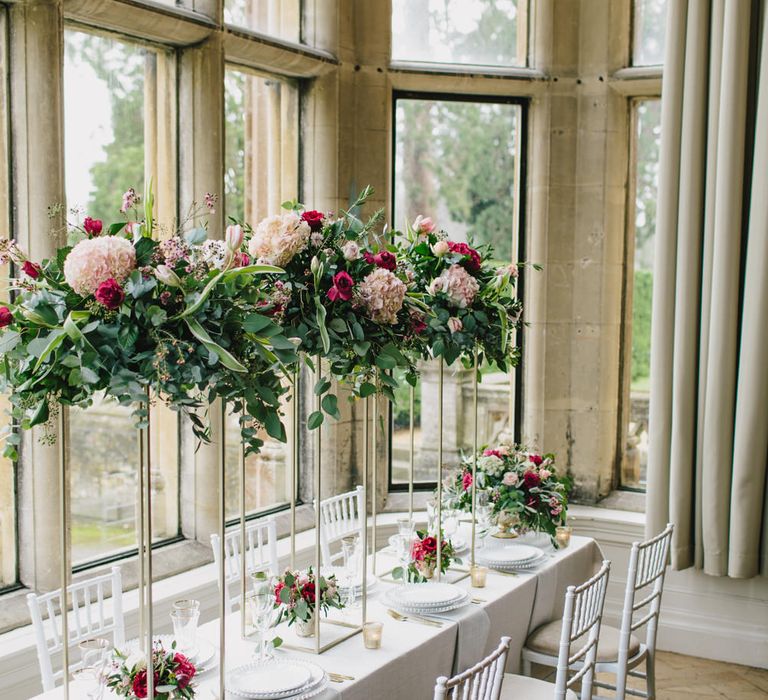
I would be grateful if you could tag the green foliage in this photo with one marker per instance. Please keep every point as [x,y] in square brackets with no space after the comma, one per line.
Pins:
[642,299]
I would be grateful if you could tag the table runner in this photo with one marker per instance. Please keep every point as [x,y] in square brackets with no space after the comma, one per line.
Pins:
[414,655]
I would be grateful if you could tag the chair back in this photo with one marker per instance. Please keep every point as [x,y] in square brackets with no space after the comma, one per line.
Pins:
[260,550]
[647,566]
[481,682]
[88,618]
[582,616]
[340,516]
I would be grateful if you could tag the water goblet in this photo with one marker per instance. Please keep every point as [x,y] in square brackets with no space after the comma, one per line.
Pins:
[89,679]
[261,579]
[405,527]
[351,556]
[94,655]
[185,629]
[261,606]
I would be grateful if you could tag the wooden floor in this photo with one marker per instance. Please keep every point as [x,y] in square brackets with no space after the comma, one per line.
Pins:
[681,677]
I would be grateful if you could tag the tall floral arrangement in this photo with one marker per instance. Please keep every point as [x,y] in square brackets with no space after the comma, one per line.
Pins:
[471,299]
[119,312]
[518,481]
[343,296]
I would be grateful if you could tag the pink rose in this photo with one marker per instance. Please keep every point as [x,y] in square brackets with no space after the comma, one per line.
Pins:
[110,294]
[241,260]
[440,248]
[510,479]
[92,226]
[185,670]
[544,474]
[342,287]
[455,324]
[423,224]
[493,453]
[466,480]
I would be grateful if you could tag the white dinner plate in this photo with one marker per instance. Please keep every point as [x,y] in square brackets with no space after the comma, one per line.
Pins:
[425,595]
[511,554]
[434,610]
[276,678]
[317,683]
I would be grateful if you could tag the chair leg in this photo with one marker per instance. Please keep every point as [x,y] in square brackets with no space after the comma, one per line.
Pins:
[526,666]
[650,676]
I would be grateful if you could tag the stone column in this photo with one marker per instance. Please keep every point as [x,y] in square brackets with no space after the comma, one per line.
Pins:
[201,157]
[577,195]
[37,118]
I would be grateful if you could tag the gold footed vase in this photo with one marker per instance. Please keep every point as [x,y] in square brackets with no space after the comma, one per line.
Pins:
[506,522]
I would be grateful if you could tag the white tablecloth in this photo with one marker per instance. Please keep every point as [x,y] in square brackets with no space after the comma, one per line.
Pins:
[413,655]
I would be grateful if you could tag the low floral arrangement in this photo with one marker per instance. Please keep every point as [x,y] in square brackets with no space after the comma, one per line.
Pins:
[297,598]
[173,674]
[343,301]
[520,482]
[119,312]
[424,558]
[471,299]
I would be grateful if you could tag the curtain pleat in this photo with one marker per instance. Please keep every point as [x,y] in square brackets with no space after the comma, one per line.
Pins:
[750,450]
[708,431]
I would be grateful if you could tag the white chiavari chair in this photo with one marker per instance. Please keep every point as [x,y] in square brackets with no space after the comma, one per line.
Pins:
[580,628]
[340,516]
[90,617]
[481,682]
[260,551]
[620,650]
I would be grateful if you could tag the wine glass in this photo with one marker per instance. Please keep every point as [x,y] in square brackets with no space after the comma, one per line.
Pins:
[404,542]
[94,655]
[351,555]
[261,606]
[450,522]
[483,513]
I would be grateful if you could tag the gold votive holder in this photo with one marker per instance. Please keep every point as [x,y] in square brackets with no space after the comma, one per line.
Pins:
[478,574]
[372,635]
[563,536]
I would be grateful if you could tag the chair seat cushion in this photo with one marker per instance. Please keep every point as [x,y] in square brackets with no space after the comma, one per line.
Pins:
[546,640]
[524,688]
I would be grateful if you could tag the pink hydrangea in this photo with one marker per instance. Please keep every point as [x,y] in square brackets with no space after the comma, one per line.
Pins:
[457,284]
[95,260]
[382,294]
[278,238]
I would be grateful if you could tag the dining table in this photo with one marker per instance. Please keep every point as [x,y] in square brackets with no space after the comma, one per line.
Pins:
[413,654]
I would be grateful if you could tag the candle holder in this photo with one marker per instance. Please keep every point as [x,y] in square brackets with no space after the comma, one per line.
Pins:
[478,574]
[563,536]
[372,634]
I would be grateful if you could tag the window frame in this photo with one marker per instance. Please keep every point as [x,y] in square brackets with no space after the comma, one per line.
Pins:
[524,103]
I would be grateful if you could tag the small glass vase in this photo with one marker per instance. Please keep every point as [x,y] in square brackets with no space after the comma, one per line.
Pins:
[506,523]
[306,628]
[426,570]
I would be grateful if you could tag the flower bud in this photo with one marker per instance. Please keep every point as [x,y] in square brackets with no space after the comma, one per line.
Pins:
[167,276]
[234,237]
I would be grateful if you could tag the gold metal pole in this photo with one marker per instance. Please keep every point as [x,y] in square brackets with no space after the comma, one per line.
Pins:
[140,539]
[243,543]
[364,514]
[440,469]
[294,463]
[222,550]
[375,473]
[64,550]
[412,456]
[318,455]
[147,466]
[475,370]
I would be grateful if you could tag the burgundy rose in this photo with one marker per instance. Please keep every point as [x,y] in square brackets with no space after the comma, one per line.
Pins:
[314,219]
[418,325]
[308,592]
[342,287]
[536,459]
[492,453]
[31,269]
[532,501]
[386,260]
[472,262]
[6,317]
[369,257]
[241,260]
[139,686]
[92,226]
[429,545]
[531,479]
[185,670]
[110,294]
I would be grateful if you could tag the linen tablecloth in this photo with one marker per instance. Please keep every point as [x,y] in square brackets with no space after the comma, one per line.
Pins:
[412,655]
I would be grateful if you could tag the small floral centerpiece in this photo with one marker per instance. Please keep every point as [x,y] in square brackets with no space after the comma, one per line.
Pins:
[424,558]
[519,482]
[298,598]
[471,299]
[342,296]
[134,311]
[173,674]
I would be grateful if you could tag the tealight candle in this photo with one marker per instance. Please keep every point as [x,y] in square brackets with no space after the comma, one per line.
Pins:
[563,536]
[372,635]
[478,574]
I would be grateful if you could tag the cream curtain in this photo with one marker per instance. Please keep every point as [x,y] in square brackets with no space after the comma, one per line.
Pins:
[708,434]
